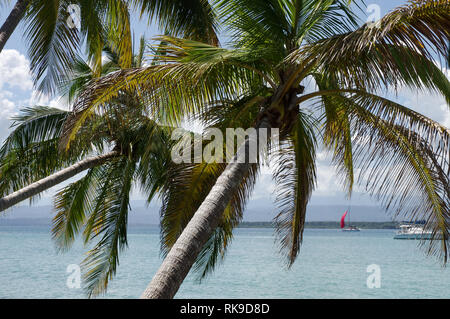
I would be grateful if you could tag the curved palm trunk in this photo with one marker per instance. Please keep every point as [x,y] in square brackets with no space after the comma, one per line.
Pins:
[184,252]
[53,180]
[12,21]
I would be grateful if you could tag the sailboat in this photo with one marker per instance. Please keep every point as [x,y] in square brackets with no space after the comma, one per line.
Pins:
[350,227]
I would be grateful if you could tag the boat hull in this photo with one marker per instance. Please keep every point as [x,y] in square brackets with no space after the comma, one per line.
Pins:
[351,230]
[413,236]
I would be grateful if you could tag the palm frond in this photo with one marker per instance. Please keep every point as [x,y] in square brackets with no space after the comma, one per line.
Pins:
[155,160]
[416,186]
[337,132]
[119,31]
[101,263]
[190,19]
[295,178]
[53,43]
[318,20]
[73,204]
[400,165]
[256,24]
[34,124]
[172,90]
[27,154]
[398,51]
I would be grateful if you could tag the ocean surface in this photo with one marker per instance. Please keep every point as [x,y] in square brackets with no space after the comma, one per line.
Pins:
[332,264]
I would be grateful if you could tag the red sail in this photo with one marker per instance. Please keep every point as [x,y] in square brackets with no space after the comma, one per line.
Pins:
[343,219]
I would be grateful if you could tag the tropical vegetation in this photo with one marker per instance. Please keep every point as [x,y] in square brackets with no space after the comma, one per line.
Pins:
[126,149]
[260,80]
[54,39]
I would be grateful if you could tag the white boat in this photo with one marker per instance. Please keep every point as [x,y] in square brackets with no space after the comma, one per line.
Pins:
[411,231]
[350,228]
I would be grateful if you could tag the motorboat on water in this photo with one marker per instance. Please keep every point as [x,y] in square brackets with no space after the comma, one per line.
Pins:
[413,231]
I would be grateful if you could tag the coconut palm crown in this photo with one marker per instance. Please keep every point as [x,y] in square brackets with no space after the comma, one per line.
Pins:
[120,151]
[57,30]
[398,155]
[31,161]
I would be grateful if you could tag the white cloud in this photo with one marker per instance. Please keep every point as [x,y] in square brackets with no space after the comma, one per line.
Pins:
[15,82]
[15,70]
[56,102]
[264,188]
[446,115]
[446,121]
[430,105]
[7,110]
[327,181]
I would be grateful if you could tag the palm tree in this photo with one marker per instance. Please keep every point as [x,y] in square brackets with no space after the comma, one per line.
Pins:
[48,182]
[28,162]
[276,46]
[195,19]
[12,21]
[129,149]
[117,151]
[54,43]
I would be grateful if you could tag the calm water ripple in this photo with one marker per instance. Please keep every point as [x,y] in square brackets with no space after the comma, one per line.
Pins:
[332,264]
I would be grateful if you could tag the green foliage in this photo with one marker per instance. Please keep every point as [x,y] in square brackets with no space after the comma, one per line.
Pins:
[295,177]
[27,155]
[398,155]
[97,204]
[54,44]
[275,46]
[192,19]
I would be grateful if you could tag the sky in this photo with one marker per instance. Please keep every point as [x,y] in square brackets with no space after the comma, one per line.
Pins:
[16,91]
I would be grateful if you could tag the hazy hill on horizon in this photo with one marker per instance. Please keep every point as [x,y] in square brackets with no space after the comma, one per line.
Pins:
[257,211]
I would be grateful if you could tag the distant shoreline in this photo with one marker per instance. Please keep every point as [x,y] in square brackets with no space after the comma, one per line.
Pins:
[315,225]
[326,225]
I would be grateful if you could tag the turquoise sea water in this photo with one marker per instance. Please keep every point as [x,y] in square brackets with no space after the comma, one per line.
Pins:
[332,264]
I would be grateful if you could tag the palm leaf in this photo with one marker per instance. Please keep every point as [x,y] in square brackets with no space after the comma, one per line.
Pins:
[399,50]
[53,43]
[73,204]
[295,178]
[172,90]
[101,263]
[190,19]
[401,167]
